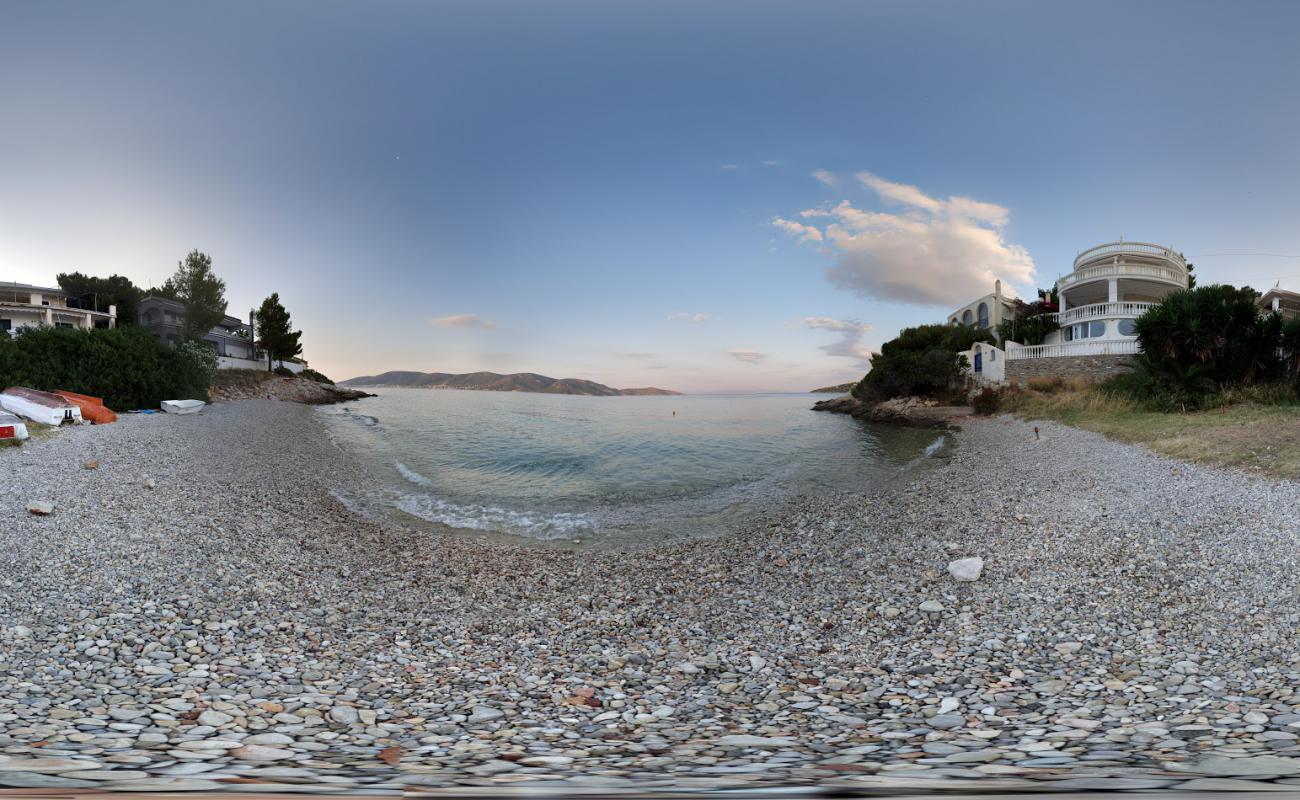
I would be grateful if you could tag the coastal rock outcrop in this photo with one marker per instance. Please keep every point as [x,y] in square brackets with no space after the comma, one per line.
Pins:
[265,386]
[917,411]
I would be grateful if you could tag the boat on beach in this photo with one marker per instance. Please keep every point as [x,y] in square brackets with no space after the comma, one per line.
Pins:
[92,408]
[183,406]
[12,429]
[42,407]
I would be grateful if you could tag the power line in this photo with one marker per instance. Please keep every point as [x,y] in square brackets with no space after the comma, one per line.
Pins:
[1262,255]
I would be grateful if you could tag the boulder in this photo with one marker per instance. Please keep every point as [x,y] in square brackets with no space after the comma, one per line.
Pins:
[966,569]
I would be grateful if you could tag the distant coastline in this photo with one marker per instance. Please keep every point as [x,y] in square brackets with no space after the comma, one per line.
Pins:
[843,388]
[496,382]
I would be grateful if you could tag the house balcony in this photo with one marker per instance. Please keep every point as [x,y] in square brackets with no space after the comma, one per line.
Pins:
[1125,309]
[1100,347]
[1134,260]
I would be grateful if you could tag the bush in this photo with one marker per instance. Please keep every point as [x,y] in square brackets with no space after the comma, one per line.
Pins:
[127,367]
[986,402]
[312,375]
[922,361]
[1045,383]
[284,371]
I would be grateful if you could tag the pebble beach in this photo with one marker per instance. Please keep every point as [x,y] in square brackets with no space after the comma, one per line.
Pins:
[201,612]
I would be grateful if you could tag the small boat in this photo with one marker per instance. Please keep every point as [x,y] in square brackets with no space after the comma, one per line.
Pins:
[12,429]
[183,406]
[92,408]
[42,407]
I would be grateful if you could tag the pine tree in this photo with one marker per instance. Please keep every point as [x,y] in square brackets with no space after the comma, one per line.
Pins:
[274,327]
[202,292]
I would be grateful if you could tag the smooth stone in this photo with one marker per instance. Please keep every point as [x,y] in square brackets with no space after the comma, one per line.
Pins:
[758,742]
[966,569]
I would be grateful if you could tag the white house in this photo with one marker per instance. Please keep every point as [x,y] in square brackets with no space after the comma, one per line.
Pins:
[1110,286]
[23,306]
[986,313]
[1282,301]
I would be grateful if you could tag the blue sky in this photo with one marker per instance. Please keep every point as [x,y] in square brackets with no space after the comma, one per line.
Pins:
[604,190]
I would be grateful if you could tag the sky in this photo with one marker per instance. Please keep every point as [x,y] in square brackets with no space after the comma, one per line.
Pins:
[708,197]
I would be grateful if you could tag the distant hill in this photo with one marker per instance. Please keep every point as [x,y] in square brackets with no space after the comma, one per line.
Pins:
[843,388]
[648,390]
[495,382]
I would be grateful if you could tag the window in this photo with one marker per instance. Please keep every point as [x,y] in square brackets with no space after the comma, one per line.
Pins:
[6,324]
[1096,329]
[1128,327]
[63,324]
[17,298]
[984,315]
[966,317]
[993,354]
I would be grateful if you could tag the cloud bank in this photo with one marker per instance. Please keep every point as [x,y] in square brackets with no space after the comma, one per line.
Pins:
[931,251]
[464,321]
[687,316]
[851,343]
[748,356]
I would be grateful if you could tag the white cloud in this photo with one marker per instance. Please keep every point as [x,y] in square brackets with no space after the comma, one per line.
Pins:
[852,333]
[825,178]
[934,252]
[729,166]
[464,321]
[771,162]
[748,356]
[686,316]
[806,233]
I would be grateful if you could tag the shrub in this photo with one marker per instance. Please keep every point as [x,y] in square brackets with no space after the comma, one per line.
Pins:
[1045,383]
[127,367]
[284,371]
[986,402]
[921,361]
[313,375]
[1031,323]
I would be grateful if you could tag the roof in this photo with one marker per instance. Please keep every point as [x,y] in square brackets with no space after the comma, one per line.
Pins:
[177,305]
[1285,294]
[28,288]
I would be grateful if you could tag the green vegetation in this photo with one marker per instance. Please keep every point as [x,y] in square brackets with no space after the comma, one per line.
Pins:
[115,290]
[278,338]
[200,290]
[1200,343]
[283,372]
[1032,322]
[312,375]
[986,402]
[127,367]
[922,361]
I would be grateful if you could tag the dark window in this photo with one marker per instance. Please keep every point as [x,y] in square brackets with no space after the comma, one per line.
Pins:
[984,315]
[6,324]
[1128,327]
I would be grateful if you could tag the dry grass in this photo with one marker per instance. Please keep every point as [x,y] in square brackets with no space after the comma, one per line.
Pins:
[1261,439]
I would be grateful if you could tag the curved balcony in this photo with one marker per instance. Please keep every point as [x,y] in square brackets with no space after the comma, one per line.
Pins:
[1140,260]
[1103,311]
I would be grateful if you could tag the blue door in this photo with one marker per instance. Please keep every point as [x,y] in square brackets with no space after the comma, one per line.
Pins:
[979,362]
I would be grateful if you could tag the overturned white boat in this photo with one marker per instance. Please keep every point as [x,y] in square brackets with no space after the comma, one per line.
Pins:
[42,407]
[12,429]
[183,406]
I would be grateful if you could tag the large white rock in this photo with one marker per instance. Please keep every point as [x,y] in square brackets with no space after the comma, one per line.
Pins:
[966,569]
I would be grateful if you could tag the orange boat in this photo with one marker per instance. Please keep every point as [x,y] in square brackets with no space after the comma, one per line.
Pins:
[92,408]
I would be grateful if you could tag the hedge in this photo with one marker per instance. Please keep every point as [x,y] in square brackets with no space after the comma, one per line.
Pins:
[127,366]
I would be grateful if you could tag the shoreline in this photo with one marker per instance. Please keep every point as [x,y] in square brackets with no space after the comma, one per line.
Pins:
[253,628]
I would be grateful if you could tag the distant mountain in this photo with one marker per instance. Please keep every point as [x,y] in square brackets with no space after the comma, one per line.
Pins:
[648,390]
[843,388]
[495,382]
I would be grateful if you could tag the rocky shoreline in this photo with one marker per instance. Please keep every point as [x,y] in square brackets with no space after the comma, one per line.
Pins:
[200,612]
[915,411]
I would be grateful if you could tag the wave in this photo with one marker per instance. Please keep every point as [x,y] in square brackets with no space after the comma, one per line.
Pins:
[494,519]
[936,445]
[411,475]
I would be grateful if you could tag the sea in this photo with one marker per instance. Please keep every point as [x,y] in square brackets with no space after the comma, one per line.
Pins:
[619,471]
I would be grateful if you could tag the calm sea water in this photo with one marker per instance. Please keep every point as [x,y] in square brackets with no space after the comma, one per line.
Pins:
[606,469]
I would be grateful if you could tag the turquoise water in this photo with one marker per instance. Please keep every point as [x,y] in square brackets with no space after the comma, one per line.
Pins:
[592,469]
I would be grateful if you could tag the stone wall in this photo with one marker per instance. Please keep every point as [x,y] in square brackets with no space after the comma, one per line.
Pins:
[1094,368]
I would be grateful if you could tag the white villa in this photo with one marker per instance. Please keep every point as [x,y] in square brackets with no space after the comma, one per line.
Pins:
[1109,287]
[23,306]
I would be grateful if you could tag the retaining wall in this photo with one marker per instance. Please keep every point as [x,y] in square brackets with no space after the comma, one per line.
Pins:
[1093,368]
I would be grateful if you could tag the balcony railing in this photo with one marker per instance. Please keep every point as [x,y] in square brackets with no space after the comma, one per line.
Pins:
[1287,313]
[1136,248]
[1103,311]
[1103,347]
[1168,274]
